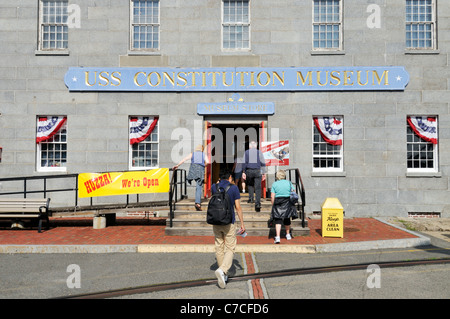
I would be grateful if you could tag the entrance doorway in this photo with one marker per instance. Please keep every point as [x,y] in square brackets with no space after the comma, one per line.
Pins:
[226,143]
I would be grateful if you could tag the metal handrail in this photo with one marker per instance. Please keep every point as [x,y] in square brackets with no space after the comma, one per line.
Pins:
[44,190]
[173,191]
[299,189]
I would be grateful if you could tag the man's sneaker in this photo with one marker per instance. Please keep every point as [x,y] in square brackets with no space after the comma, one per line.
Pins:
[220,278]
[288,236]
[277,240]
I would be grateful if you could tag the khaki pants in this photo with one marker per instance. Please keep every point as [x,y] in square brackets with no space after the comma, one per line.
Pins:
[225,243]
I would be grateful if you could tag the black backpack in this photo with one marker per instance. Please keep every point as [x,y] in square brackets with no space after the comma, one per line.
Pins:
[219,208]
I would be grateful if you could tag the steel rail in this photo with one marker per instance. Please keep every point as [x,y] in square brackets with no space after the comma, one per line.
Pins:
[263,275]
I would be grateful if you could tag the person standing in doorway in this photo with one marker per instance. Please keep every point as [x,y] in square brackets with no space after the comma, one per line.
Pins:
[196,172]
[253,173]
[225,235]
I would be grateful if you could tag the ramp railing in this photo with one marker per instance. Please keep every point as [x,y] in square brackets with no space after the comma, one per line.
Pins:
[24,186]
[295,177]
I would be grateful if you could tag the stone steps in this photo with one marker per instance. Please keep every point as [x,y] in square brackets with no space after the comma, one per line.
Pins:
[249,222]
[187,221]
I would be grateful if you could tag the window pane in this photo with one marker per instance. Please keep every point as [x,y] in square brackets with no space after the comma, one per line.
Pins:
[325,155]
[54,30]
[145,153]
[236,24]
[53,151]
[419,24]
[326,24]
[145,24]
[420,153]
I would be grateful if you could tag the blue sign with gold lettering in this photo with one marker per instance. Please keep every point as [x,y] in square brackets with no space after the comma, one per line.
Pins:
[237,79]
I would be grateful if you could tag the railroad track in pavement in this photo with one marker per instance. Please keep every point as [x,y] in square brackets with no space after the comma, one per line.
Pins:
[261,275]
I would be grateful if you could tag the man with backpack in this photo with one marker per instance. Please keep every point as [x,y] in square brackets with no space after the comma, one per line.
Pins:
[221,214]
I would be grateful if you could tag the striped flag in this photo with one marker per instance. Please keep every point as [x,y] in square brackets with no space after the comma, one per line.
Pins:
[49,126]
[424,127]
[141,127]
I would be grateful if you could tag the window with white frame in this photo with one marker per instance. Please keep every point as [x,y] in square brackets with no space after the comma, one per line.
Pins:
[53,28]
[421,24]
[422,143]
[51,141]
[328,144]
[144,25]
[327,25]
[236,24]
[144,142]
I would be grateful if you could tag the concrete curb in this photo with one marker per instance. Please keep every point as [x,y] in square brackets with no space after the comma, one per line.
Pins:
[66,249]
[377,244]
[98,249]
[239,248]
[175,248]
[369,245]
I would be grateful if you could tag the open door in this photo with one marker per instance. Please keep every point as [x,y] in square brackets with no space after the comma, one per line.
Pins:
[222,160]
[262,138]
[208,167]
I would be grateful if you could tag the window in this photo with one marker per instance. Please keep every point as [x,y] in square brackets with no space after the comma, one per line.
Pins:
[144,142]
[144,25]
[327,144]
[53,28]
[327,25]
[236,25]
[421,24]
[51,140]
[422,144]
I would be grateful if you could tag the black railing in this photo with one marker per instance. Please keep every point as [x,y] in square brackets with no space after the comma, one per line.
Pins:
[176,182]
[299,189]
[177,190]
[24,189]
[44,190]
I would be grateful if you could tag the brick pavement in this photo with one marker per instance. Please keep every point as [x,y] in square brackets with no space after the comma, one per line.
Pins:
[151,231]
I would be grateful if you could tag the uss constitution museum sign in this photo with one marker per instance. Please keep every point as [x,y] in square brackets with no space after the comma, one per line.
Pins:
[387,78]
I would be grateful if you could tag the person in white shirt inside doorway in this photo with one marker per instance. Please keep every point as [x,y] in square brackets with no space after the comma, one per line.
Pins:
[253,172]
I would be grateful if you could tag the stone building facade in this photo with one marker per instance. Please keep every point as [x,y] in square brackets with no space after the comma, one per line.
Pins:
[382,167]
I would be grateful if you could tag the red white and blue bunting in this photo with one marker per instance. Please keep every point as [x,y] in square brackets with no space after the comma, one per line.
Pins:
[49,126]
[141,127]
[330,128]
[424,127]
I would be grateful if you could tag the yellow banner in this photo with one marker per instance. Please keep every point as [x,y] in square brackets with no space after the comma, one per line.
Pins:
[122,183]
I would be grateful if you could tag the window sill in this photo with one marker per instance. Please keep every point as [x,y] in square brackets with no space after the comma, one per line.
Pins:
[424,174]
[237,51]
[421,52]
[327,52]
[142,168]
[52,52]
[52,170]
[328,174]
[137,52]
